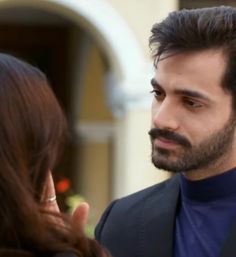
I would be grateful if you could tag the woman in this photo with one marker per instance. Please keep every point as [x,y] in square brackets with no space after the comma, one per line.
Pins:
[32,131]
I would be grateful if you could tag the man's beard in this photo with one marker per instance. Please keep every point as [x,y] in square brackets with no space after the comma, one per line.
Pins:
[187,157]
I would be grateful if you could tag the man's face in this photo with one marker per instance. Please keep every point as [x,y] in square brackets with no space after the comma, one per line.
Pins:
[192,119]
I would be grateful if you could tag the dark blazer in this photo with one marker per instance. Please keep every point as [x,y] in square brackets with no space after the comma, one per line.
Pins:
[142,224]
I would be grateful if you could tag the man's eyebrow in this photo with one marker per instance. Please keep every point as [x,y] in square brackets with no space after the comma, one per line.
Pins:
[191,93]
[185,92]
[154,83]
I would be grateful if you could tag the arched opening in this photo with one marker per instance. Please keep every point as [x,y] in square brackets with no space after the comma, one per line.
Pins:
[73,46]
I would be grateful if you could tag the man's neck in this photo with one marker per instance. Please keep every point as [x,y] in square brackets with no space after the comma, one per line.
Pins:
[219,167]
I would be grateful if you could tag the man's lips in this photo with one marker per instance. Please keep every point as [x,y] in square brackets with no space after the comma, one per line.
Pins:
[164,143]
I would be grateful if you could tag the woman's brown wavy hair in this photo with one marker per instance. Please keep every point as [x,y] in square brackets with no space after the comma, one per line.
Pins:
[32,131]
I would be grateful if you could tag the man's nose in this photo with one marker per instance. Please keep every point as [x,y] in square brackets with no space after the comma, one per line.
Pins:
[165,116]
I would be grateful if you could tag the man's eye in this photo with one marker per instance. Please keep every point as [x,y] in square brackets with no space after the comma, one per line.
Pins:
[192,104]
[157,93]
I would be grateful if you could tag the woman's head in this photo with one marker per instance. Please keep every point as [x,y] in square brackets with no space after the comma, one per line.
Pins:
[32,125]
[32,129]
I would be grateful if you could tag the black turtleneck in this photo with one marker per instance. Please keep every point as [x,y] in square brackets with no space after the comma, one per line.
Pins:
[207,209]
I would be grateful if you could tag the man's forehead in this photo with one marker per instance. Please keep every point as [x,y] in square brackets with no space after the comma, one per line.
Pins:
[203,69]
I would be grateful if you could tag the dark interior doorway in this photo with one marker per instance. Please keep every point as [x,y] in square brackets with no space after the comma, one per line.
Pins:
[43,46]
[47,48]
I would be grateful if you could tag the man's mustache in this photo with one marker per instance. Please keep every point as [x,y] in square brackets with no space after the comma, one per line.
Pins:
[169,135]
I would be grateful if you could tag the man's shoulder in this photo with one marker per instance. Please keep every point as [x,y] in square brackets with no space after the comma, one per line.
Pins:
[124,217]
[129,205]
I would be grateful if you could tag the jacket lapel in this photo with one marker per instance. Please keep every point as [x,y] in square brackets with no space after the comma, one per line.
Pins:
[229,248]
[159,221]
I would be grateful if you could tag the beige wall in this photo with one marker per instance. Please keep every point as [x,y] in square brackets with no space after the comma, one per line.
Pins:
[141,15]
[93,102]
[94,181]
[95,151]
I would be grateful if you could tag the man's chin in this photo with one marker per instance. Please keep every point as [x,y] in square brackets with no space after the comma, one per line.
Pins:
[166,165]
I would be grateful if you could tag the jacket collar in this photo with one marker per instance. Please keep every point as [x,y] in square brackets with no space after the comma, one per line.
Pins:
[229,248]
[157,237]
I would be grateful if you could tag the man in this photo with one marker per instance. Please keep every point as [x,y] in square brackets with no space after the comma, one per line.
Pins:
[193,134]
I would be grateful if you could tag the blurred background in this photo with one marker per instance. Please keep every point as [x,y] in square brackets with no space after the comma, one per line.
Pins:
[96,56]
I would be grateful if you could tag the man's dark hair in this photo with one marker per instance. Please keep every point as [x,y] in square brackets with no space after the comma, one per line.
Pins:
[195,30]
